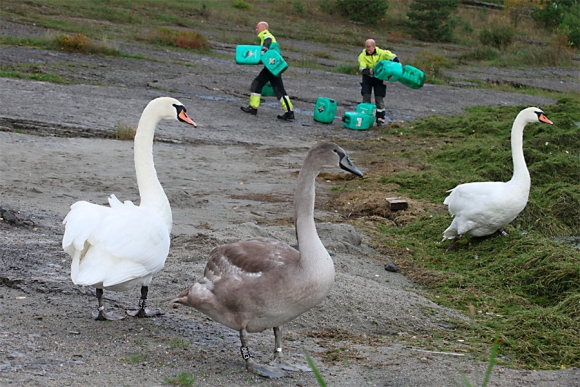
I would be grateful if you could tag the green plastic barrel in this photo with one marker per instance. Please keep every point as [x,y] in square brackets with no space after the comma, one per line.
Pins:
[357,121]
[412,77]
[248,55]
[369,109]
[268,90]
[387,70]
[274,62]
[275,46]
[324,110]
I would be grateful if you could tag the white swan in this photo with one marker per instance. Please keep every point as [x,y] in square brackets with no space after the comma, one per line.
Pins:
[263,283]
[483,208]
[124,245]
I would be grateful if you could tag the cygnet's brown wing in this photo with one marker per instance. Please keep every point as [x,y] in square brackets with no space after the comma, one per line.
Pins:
[252,282]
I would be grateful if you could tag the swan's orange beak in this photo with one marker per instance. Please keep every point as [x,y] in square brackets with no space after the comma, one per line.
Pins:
[545,119]
[185,118]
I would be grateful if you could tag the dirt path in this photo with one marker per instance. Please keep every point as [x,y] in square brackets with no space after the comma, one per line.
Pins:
[230,179]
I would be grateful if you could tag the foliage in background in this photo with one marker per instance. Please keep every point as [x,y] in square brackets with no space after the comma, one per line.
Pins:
[182,39]
[518,9]
[430,20]
[570,26]
[500,37]
[563,15]
[364,11]
[83,44]
[432,64]
[240,4]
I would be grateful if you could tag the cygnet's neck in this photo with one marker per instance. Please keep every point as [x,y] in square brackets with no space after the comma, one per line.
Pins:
[314,257]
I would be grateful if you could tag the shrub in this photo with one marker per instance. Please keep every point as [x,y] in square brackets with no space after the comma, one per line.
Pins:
[240,4]
[125,132]
[499,37]
[183,39]
[481,53]
[431,64]
[570,26]
[82,43]
[550,13]
[75,43]
[430,20]
[365,11]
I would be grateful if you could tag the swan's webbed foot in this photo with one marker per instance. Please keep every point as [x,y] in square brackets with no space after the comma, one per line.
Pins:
[100,315]
[143,310]
[285,365]
[265,370]
[502,232]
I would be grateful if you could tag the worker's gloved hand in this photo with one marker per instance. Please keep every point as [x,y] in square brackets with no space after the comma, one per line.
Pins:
[264,49]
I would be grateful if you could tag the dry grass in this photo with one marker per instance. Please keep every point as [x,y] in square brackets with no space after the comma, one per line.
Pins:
[125,132]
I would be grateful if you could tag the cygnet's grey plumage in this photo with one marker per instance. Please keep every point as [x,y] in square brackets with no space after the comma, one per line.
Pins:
[262,283]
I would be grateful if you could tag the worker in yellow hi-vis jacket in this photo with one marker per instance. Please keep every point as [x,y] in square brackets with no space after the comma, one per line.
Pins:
[367,60]
[265,76]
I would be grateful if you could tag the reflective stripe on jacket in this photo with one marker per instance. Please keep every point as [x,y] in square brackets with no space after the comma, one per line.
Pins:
[366,61]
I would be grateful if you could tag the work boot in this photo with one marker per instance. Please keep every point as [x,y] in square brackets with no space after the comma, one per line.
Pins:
[249,109]
[380,121]
[286,116]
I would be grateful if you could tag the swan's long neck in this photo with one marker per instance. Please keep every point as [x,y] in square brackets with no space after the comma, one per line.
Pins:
[521,175]
[152,195]
[314,257]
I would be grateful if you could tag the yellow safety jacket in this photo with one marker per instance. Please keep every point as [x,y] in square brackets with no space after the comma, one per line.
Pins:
[366,61]
[266,38]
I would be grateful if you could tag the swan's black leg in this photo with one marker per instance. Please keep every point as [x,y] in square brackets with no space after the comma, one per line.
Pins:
[259,369]
[278,360]
[502,232]
[143,310]
[100,315]
[450,247]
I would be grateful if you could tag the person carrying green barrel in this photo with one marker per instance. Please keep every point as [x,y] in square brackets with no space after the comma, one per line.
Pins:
[265,76]
[367,60]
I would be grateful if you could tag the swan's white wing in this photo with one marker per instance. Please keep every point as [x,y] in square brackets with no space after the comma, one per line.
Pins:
[474,197]
[116,244]
[81,221]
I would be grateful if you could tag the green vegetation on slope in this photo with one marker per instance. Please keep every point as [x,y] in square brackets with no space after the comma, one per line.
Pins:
[524,287]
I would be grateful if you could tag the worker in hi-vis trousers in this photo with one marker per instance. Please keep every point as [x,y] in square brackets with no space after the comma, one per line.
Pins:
[265,76]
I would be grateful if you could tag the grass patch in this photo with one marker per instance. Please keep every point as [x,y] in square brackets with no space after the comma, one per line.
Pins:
[183,379]
[137,358]
[125,132]
[64,42]
[178,342]
[32,72]
[525,286]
